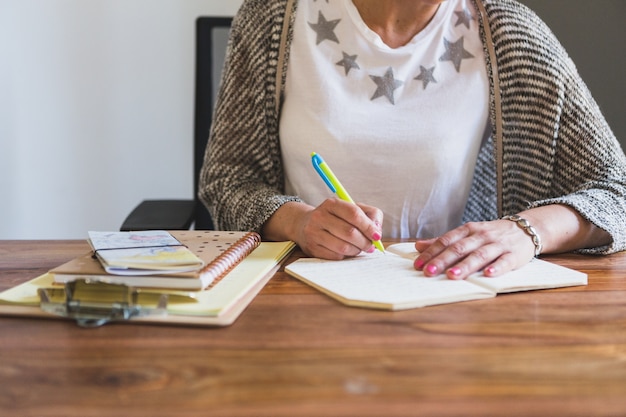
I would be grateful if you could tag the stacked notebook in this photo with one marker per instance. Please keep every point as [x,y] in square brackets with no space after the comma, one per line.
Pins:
[190,277]
[190,260]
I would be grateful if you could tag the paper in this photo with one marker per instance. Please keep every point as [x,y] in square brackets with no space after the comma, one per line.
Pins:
[231,293]
[142,253]
[389,281]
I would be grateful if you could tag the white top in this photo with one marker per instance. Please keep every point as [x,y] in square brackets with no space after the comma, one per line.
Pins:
[400,127]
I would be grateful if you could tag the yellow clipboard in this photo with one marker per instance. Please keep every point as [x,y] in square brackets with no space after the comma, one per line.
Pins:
[93,303]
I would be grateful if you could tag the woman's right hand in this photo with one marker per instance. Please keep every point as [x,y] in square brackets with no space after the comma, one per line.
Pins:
[335,229]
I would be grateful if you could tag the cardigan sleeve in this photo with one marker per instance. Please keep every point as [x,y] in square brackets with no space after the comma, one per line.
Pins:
[558,147]
[241,181]
[590,166]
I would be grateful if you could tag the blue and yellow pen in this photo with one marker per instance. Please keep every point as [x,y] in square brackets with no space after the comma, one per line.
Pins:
[335,186]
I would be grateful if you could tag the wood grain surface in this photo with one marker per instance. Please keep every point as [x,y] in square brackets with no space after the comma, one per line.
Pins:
[296,352]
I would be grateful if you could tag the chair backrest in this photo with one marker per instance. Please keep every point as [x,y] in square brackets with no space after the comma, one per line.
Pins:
[211,40]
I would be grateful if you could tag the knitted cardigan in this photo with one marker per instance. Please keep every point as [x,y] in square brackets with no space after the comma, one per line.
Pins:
[556,146]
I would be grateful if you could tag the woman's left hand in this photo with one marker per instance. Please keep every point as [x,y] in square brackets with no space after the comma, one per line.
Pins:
[495,246]
[500,246]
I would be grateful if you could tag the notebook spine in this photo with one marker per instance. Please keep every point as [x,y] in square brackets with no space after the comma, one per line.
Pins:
[231,257]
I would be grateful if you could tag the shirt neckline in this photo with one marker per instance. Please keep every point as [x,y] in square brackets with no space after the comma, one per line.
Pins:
[375,39]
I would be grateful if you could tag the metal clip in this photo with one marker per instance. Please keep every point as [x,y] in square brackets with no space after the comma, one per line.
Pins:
[94,303]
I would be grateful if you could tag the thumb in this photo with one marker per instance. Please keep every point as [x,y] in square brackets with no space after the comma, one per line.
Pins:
[422,244]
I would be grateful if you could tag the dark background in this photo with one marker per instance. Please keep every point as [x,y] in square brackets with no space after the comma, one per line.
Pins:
[594,34]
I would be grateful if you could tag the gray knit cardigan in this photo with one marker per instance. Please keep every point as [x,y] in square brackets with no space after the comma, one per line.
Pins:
[550,145]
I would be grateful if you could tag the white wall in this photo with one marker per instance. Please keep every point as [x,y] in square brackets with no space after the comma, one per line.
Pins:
[96,102]
[96,110]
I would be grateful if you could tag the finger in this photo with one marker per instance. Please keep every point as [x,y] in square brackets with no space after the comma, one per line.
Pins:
[423,244]
[322,252]
[356,228]
[433,258]
[373,213]
[373,228]
[335,234]
[445,241]
[475,261]
[485,248]
[335,225]
[505,263]
[467,255]
[318,235]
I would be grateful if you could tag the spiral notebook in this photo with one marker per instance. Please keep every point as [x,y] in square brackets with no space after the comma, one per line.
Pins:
[220,251]
[218,305]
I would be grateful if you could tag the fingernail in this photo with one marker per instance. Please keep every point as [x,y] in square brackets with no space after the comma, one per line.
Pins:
[455,271]
[376,236]
[418,264]
[490,270]
[371,249]
[432,269]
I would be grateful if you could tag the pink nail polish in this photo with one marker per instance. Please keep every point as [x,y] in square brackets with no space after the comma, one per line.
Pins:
[371,249]
[455,271]
[490,270]
[432,269]
[376,236]
[418,264]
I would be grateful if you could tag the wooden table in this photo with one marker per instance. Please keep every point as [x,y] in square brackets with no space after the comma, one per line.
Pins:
[296,352]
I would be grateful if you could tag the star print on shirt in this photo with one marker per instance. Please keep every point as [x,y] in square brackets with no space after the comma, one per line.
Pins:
[325,29]
[386,85]
[348,62]
[464,17]
[455,52]
[426,76]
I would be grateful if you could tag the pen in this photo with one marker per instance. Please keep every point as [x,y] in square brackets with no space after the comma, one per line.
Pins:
[335,186]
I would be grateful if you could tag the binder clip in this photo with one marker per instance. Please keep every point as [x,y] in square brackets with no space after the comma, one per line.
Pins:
[93,303]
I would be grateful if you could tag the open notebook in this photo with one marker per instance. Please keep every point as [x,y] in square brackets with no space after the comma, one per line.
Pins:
[389,281]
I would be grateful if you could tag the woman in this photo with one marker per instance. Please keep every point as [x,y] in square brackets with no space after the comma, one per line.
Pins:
[443,115]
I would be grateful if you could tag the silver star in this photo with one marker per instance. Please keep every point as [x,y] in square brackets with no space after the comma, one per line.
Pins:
[348,62]
[455,53]
[464,17]
[325,29]
[387,84]
[426,76]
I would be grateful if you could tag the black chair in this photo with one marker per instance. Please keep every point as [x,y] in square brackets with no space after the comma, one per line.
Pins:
[211,40]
